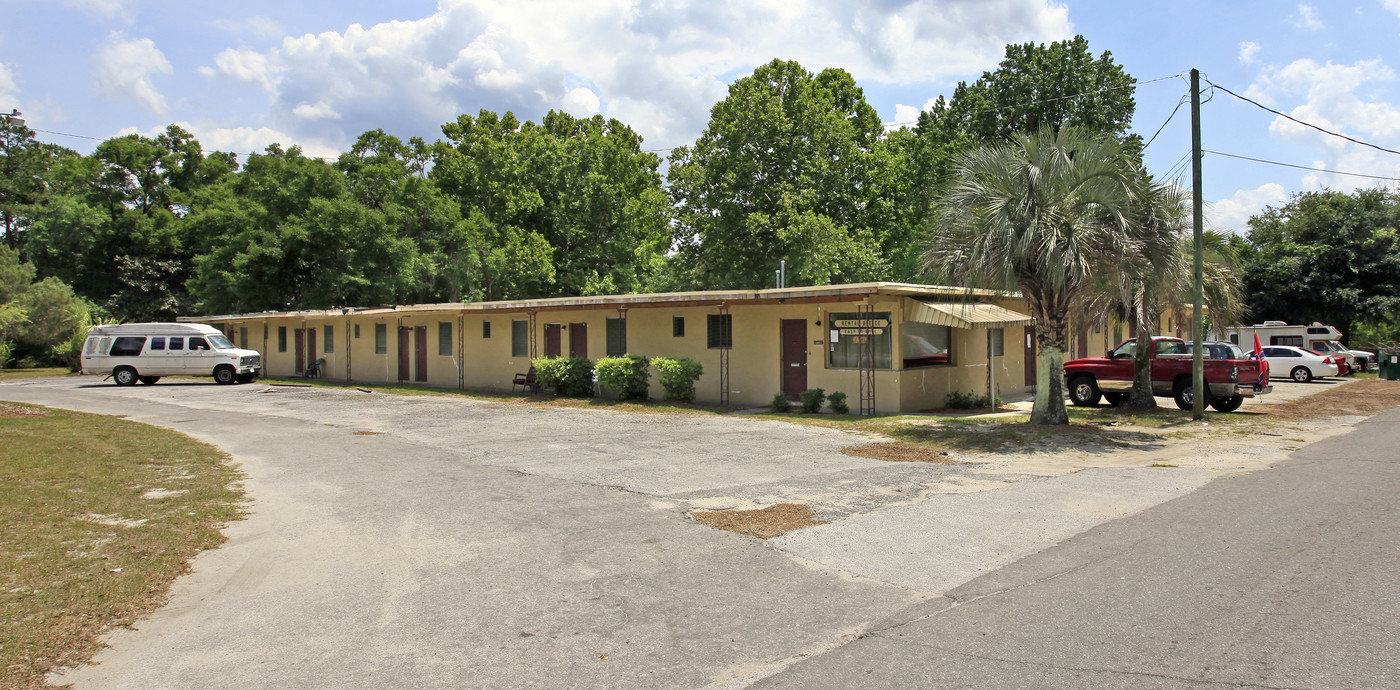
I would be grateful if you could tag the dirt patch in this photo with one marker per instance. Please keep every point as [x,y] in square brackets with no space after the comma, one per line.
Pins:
[1363,398]
[901,452]
[764,523]
[21,411]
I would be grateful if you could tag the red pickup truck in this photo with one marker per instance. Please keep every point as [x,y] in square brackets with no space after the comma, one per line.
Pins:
[1228,380]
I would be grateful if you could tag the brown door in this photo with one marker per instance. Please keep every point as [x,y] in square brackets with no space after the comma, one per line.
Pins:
[404,332]
[420,342]
[301,350]
[578,340]
[552,340]
[1030,356]
[794,357]
[1083,344]
[310,345]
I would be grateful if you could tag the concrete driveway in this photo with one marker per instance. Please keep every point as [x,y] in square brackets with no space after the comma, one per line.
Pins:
[425,541]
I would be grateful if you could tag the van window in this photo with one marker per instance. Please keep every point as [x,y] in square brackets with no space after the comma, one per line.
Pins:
[157,343]
[198,344]
[127,346]
[177,343]
[91,346]
[219,342]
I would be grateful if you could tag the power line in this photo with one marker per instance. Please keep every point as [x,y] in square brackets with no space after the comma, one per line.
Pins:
[1184,100]
[1301,122]
[1301,167]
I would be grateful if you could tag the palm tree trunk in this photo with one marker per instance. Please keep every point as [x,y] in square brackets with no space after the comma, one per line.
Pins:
[1141,398]
[1049,407]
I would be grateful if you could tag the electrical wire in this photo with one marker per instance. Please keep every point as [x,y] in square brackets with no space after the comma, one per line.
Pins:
[1300,167]
[1301,122]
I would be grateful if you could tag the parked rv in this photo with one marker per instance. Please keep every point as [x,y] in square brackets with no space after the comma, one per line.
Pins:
[145,352]
[1317,337]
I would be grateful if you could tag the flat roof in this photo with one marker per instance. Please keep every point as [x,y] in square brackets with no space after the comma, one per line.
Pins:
[846,292]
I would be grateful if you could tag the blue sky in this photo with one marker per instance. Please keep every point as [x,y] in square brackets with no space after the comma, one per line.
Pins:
[316,74]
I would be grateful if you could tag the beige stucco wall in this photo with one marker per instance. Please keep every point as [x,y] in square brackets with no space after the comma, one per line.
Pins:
[756,365]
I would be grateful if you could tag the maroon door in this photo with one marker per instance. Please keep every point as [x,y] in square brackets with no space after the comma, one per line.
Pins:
[301,350]
[404,373]
[420,338]
[578,340]
[794,357]
[310,345]
[552,340]
[1030,356]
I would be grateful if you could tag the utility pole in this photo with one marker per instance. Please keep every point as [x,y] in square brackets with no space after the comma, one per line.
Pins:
[1198,392]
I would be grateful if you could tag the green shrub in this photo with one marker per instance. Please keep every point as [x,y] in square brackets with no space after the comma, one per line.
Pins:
[571,378]
[677,377]
[781,403]
[837,400]
[812,400]
[627,376]
[969,401]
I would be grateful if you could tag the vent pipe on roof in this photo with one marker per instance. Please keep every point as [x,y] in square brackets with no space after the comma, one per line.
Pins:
[782,273]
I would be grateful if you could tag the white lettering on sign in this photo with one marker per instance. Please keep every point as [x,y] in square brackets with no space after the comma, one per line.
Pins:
[858,323]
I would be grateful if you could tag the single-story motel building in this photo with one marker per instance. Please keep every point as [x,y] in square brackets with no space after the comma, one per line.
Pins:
[891,347]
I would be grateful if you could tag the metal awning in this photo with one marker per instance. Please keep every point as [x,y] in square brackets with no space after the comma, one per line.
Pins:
[965,315]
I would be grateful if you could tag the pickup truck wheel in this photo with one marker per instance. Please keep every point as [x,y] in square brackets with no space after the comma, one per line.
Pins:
[1184,395]
[124,376]
[1228,403]
[1083,392]
[225,374]
[1301,374]
[1117,398]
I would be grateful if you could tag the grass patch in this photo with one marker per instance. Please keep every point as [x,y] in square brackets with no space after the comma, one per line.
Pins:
[764,523]
[543,399]
[37,373]
[1161,464]
[97,517]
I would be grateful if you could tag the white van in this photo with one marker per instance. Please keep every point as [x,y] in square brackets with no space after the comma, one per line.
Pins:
[144,352]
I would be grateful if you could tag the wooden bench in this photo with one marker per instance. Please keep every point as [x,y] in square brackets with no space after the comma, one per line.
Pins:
[528,380]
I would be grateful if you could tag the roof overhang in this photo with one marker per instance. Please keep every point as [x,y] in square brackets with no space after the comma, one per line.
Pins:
[965,315]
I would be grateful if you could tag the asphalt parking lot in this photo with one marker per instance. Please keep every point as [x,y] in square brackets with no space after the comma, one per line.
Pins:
[420,540]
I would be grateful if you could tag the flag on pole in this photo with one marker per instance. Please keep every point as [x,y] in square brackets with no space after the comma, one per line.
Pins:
[1263,363]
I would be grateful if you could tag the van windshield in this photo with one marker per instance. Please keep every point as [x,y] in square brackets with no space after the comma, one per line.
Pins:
[219,342]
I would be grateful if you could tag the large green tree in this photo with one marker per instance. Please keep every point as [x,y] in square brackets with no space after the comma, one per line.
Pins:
[785,170]
[1041,214]
[1326,256]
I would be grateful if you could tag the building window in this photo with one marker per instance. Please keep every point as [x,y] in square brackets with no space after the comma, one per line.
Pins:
[486,329]
[677,326]
[720,332]
[445,338]
[520,338]
[617,337]
[847,340]
[926,345]
[327,339]
[998,338]
[357,330]
[243,337]
[381,339]
[281,338]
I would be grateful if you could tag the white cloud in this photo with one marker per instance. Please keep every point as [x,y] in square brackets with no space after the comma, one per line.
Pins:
[243,140]
[1307,18]
[1393,6]
[1232,213]
[1248,49]
[657,66]
[124,69]
[317,111]
[9,90]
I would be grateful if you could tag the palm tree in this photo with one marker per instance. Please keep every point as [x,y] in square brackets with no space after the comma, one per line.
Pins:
[1039,213]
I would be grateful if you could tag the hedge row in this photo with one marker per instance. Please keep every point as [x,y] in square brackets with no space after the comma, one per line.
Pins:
[627,376]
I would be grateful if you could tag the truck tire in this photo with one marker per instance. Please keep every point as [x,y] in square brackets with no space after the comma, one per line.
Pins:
[124,376]
[1184,394]
[1083,392]
[1228,403]
[225,374]
[1301,374]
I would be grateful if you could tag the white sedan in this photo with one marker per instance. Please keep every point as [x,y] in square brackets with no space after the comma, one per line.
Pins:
[1302,365]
